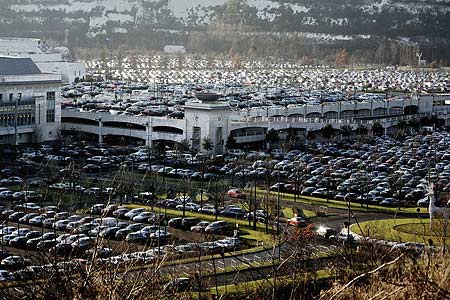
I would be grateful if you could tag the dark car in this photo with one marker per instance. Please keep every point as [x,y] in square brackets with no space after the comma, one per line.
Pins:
[109,233]
[234,212]
[218,227]
[135,226]
[175,223]
[49,236]
[14,262]
[6,213]
[181,284]
[91,168]
[31,244]
[187,223]
[4,254]
[46,244]
[14,217]
[61,249]
[18,242]
[121,234]
[120,213]
[33,234]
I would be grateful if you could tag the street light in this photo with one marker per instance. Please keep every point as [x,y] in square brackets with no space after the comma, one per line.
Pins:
[100,132]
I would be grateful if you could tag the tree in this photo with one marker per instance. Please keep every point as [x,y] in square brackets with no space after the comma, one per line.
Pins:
[377,129]
[414,123]
[272,137]
[327,131]
[231,142]
[362,130]
[237,62]
[342,58]
[311,135]
[402,125]
[346,131]
[207,144]
[291,137]
[183,146]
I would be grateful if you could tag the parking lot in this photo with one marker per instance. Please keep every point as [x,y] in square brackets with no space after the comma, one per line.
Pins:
[374,172]
[111,235]
[384,171]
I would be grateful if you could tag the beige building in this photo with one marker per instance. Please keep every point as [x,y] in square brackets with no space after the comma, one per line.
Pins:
[30,102]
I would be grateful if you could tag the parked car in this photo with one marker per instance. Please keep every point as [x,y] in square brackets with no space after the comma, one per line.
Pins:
[236,193]
[188,222]
[190,206]
[297,221]
[134,212]
[181,284]
[234,212]
[14,262]
[200,226]
[218,227]
[6,276]
[97,209]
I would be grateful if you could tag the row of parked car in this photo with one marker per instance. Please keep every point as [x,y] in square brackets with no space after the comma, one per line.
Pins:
[142,216]
[7,194]
[381,171]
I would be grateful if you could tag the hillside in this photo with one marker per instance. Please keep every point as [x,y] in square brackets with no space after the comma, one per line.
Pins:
[81,21]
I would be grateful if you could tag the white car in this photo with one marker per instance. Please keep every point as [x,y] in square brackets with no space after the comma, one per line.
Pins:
[207,210]
[61,224]
[160,233]
[29,206]
[7,230]
[21,232]
[236,152]
[230,243]
[134,212]
[188,206]
[38,220]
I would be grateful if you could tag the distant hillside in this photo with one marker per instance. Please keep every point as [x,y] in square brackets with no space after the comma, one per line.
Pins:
[86,22]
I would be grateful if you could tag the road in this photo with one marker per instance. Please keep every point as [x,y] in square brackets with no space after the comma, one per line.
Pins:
[336,217]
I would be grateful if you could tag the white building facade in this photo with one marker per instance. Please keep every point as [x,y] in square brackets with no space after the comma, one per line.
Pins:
[55,61]
[216,121]
[30,102]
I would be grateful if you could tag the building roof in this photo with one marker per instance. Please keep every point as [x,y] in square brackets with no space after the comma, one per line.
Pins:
[18,66]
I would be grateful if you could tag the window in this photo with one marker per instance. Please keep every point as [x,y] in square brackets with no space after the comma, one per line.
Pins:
[50,116]
[1,97]
[196,137]
[11,97]
[51,96]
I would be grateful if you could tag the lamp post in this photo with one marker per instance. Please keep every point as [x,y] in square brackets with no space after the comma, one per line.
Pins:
[201,182]
[100,132]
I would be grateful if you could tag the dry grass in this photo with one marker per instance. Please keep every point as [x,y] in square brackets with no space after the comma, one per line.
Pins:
[406,277]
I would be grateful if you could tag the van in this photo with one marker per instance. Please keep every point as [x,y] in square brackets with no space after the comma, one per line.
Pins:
[218,227]
[236,152]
